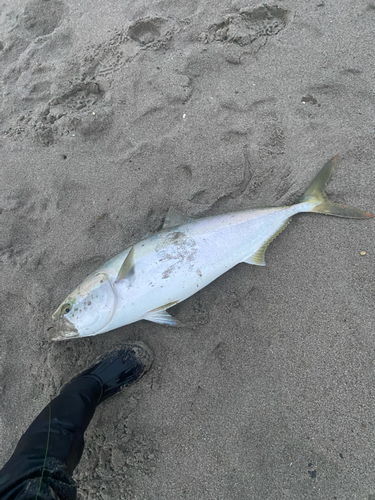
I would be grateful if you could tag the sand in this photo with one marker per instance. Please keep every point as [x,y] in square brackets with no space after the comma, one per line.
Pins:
[112,112]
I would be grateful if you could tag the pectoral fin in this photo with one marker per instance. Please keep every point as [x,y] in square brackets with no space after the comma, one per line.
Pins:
[160,315]
[127,269]
[175,218]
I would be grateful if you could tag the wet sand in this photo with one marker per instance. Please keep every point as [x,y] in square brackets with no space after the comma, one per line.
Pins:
[110,114]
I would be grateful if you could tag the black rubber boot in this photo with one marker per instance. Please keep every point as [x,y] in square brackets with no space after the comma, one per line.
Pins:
[50,449]
[118,369]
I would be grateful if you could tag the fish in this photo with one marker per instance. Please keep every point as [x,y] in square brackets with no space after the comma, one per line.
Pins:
[187,254]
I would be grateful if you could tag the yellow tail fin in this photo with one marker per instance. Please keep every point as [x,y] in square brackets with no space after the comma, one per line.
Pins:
[315,192]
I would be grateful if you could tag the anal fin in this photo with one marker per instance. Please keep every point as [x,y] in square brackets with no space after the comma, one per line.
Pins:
[257,258]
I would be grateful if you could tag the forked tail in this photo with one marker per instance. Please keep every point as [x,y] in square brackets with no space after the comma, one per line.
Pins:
[315,193]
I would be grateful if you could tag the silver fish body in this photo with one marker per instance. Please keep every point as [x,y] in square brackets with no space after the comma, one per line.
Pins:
[144,280]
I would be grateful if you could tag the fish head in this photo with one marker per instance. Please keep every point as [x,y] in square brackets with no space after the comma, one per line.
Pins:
[87,310]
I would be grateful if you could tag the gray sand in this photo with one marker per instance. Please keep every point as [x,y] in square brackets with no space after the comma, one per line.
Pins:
[113,112]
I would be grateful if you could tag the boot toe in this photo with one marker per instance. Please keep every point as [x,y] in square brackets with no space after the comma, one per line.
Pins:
[123,367]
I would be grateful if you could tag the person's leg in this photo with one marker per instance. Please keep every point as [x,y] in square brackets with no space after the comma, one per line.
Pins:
[50,449]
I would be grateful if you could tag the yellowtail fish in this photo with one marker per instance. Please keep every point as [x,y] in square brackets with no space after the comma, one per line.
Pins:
[156,273]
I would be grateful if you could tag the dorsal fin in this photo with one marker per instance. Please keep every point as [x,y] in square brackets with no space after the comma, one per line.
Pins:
[175,218]
[257,259]
[127,269]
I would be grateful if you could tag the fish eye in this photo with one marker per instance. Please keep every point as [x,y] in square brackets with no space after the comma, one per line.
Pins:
[66,308]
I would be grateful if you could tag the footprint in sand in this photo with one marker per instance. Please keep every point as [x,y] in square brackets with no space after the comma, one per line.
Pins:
[248,25]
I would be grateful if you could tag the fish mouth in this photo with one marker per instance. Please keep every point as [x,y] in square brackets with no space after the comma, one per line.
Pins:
[94,304]
[65,329]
